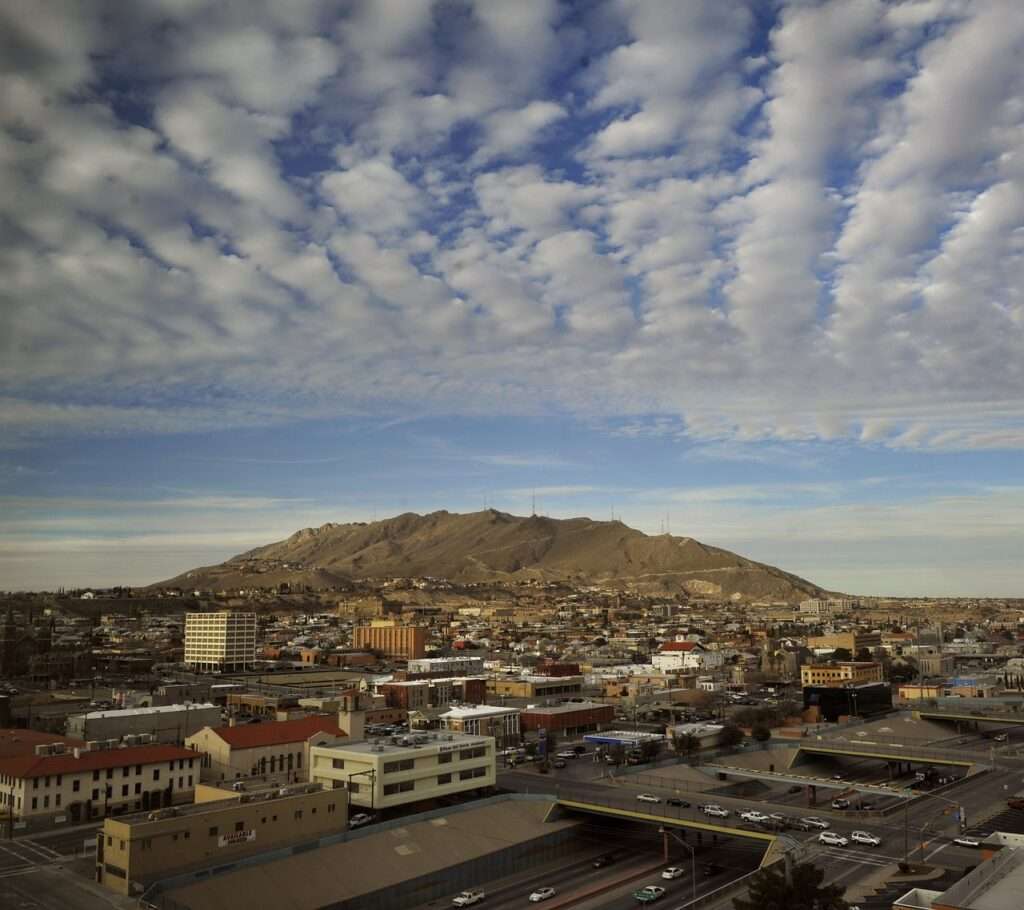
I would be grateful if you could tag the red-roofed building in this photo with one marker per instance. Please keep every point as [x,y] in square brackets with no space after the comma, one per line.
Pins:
[65,779]
[15,742]
[686,655]
[277,749]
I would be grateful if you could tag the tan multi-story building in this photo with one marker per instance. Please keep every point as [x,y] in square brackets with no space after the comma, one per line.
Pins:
[278,749]
[94,779]
[851,641]
[221,827]
[844,673]
[392,639]
[223,641]
[535,686]
[379,775]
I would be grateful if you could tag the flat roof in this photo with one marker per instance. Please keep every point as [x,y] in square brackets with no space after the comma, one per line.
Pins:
[479,711]
[387,746]
[143,712]
[568,707]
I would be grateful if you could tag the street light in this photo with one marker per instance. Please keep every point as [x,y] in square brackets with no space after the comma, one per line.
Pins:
[693,858]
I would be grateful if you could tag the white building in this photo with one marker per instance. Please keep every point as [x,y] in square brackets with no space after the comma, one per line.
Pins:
[483,720]
[686,655]
[450,666]
[403,770]
[220,641]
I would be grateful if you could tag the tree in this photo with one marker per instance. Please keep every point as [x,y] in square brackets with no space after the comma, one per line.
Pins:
[842,654]
[685,744]
[769,890]
[731,735]
[761,733]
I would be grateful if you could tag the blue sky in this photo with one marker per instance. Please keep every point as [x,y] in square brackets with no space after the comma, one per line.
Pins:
[748,270]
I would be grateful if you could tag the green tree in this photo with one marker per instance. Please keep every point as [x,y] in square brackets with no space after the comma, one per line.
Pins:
[769,890]
[685,744]
[761,733]
[731,735]
[842,654]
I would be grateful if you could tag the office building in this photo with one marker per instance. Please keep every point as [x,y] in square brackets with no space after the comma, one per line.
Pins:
[394,641]
[483,720]
[383,774]
[842,673]
[220,642]
[535,686]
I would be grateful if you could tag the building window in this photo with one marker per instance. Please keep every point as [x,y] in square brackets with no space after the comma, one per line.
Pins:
[406,764]
[404,787]
[56,800]
[110,773]
[298,813]
[60,779]
[125,771]
[470,773]
[138,788]
[95,795]
[444,758]
[337,763]
[443,779]
[213,831]
[124,790]
[76,785]
[138,769]
[352,787]
[239,826]
[156,774]
[330,808]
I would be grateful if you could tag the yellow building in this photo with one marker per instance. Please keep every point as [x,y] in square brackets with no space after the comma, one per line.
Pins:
[844,673]
[392,639]
[222,826]
[396,771]
[535,686]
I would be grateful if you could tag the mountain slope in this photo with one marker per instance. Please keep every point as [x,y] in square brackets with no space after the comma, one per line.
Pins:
[493,545]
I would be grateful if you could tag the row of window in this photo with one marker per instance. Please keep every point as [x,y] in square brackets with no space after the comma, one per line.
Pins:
[407,786]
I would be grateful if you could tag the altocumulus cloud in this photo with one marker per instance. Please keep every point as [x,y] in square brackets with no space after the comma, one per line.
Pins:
[798,225]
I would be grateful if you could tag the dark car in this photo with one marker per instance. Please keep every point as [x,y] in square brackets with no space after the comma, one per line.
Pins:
[603,861]
[796,788]
[681,803]
[712,869]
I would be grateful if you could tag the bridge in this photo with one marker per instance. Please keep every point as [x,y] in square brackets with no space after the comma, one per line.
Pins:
[822,782]
[890,752]
[968,716]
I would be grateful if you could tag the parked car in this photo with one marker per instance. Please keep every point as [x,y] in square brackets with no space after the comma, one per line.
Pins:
[469,897]
[541,894]
[867,838]
[840,804]
[603,861]
[815,822]
[673,872]
[567,753]
[675,801]
[967,841]
[715,811]
[752,815]
[559,763]
[359,819]
[648,893]
[832,839]
[648,798]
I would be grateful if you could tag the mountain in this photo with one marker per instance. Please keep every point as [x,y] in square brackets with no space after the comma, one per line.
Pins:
[492,545]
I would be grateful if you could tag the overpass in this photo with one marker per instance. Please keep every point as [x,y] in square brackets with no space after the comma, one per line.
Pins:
[968,716]
[823,782]
[889,752]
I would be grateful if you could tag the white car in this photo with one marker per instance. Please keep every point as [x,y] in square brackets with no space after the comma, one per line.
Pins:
[672,872]
[359,819]
[716,811]
[967,841]
[832,839]
[812,821]
[468,898]
[752,815]
[648,798]
[542,894]
[866,837]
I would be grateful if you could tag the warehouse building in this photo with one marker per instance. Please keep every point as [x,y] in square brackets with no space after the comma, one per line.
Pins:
[570,719]
[165,723]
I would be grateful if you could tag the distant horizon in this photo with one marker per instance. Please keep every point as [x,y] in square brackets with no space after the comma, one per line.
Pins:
[749,270]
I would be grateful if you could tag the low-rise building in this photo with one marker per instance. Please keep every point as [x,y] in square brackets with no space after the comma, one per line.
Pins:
[841,673]
[221,827]
[94,779]
[851,641]
[535,686]
[483,720]
[569,719]
[388,773]
[445,666]
[165,723]
[278,749]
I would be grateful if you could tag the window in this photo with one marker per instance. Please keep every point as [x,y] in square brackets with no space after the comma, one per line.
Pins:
[443,779]
[156,774]
[477,752]
[110,773]
[330,808]
[35,783]
[239,826]
[95,775]
[95,795]
[46,782]
[75,785]
[470,773]
[406,764]
[188,834]
[444,758]
[60,779]
[404,787]
[35,802]
[138,788]
[213,831]
[263,820]
[124,790]
[298,813]
[190,780]
[353,787]
[337,763]
[56,800]
[125,771]
[138,769]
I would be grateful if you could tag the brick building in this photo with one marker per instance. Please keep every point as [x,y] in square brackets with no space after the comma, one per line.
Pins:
[391,639]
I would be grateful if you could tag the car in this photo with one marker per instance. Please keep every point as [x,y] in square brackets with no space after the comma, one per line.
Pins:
[359,819]
[580,750]
[866,837]
[541,894]
[559,763]
[675,801]
[752,815]
[832,839]
[648,893]
[648,798]
[837,777]
[1000,737]
[605,860]
[567,753]
[814,822]
[967,841]
[795,788]
[840,804]
[469,897]
[1015,803]
[778,818]
[673,872]
[713,810]
[865,804]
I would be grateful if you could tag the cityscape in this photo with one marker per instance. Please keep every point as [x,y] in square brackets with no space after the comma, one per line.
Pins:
[511,453]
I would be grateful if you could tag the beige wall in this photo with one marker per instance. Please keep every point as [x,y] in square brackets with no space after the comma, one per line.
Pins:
[222,762]
[140,850]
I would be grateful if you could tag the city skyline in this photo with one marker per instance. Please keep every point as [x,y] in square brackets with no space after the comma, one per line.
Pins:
[746,272]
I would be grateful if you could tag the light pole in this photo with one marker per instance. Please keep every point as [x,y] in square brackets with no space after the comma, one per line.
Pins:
[693,858]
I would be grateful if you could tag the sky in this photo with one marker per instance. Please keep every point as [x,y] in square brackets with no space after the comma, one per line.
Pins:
[741,270]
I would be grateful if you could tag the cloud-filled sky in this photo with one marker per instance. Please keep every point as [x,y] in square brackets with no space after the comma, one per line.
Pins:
[751,270]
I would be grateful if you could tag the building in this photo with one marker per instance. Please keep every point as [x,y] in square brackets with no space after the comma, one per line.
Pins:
[569,719]
[409,769]
[842,673]
[995,884]
[484,720]
[857,700]
[624,739]
[686,655]
[444,666]
[422,694]
[278,749]
[819,607]
[220,642]
[394,641]
[535,686]
[854,642]
[165,723]
[95,779]
[220,827]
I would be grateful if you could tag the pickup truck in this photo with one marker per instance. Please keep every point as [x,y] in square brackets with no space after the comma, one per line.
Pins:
[469,897]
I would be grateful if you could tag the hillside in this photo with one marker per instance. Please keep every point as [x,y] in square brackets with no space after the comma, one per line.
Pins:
[491,545]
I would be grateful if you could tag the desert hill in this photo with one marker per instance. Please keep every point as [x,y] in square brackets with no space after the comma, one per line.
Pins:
[492,546]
